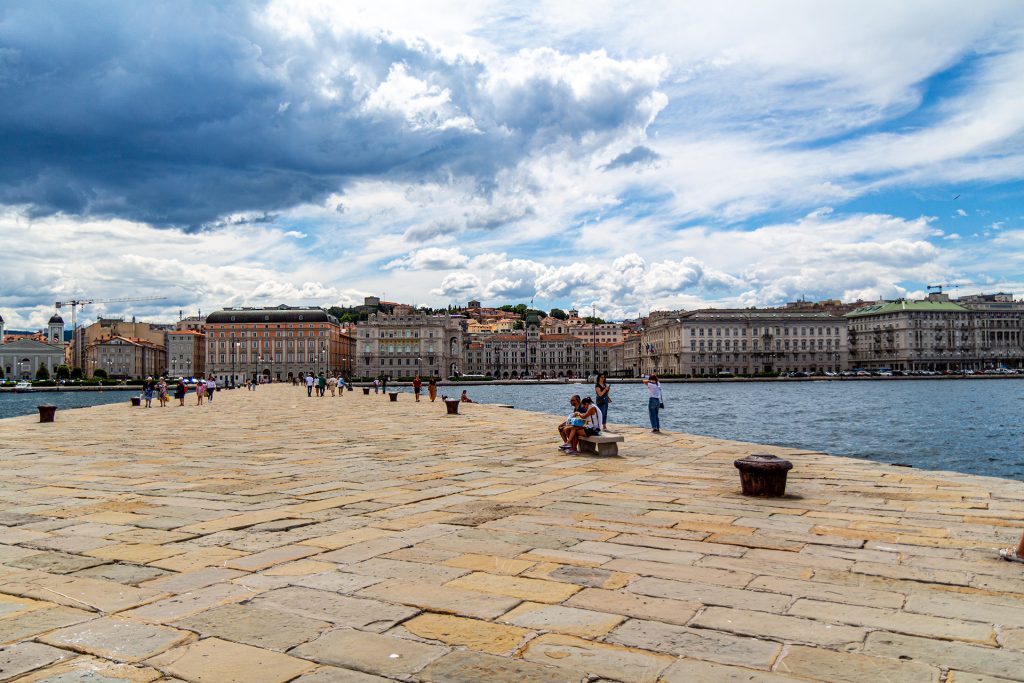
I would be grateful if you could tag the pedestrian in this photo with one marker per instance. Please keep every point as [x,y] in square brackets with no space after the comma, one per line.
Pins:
[376,385]
[654,403]
[332,384]
[417,384]
[148,388]
[321,385]
[211,386]
[309,384]
[432,389]
[384,385]
[200,390]
[161,392]
[180,390]
[602,398]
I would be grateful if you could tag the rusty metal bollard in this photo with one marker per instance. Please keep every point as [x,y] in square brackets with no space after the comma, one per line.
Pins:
[393,395]
[47,412]
[762,474]
[453,407]
[366,391]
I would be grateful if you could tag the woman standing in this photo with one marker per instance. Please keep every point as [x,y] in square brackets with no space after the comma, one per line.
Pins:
[180,390]
[654,403]
[602,399]
[432,389]
[417,384]
[148,389]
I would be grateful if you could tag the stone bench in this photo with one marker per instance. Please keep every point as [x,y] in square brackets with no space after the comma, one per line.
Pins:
[604,443]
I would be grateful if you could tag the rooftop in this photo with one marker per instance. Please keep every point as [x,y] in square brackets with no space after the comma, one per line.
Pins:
[920,306]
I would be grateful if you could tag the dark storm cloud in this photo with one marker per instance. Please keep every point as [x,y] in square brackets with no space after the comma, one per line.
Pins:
[179,114]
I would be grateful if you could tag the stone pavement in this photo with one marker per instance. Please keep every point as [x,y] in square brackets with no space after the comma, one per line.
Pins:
[271,537]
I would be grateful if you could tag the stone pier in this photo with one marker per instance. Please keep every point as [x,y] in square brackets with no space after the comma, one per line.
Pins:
[271,537]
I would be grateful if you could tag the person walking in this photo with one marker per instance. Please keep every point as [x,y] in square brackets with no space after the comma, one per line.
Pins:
[161,392]
[148,389]
[332,384]
[180,390]
[602,398]
[376,385]
[417,384]
[211,386]
[321,385]
[384,385]
[309,384]
[654,403]
[200,390]
[432,389]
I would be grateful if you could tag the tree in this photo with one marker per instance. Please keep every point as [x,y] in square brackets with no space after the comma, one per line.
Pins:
[559,313]
[63,372]
[99,373]
[591,320]
[42,372]
[77,373]
[518,325]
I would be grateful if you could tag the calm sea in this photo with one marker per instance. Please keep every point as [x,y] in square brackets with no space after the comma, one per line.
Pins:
[972,426]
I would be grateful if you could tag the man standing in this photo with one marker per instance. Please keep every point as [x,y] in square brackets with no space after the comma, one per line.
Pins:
[417,384]
[309,384]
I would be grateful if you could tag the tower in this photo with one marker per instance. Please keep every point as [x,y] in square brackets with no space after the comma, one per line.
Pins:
[55,331]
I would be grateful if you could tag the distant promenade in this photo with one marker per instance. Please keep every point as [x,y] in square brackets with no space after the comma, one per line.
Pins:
[272,537]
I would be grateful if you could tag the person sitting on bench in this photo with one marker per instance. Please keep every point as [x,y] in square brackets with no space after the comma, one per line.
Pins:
[591,417]
[563,429]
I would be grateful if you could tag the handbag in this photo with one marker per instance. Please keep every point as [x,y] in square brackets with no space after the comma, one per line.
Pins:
[661,405]
[575,421]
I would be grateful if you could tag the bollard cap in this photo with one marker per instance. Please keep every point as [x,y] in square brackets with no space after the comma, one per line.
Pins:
[763,461]
[46,405]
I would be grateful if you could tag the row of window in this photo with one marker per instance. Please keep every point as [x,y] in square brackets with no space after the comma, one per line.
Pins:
[758,331]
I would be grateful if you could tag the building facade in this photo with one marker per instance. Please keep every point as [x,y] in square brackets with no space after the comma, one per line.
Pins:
[186,353]
[742,342]
[408,342]
[22,358]
[126,358]
[938,335]
[279,342]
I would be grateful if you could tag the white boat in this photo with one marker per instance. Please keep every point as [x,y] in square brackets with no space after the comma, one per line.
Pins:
[23,386]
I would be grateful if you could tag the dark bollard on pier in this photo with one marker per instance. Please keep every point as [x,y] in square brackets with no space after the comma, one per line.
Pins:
[453,406]
[47,412]
[762,474]
[393,395]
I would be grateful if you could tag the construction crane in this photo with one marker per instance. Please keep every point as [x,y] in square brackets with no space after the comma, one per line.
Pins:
[938,288]
[75,304]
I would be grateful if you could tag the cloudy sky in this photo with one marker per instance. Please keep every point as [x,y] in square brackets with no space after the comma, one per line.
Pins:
[618,156]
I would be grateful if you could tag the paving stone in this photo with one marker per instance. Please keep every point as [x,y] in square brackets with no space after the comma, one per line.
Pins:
[406,571]
[191,580]
[130,574]
[197,559]
[442,598]
[92,670]
[218,661]
[25,657]
[965,607]
[962,677]
[847,667]
[332,674]
[267,628]
[11,606]
[722,648]
[115,638]
[357,612]
[336,581]
[464,666]
[492,564]
[73,591]
[186,604]
[55,562]
[600,659]
[970,658]
[897,621]
[20,626]
[681,572]
[699,671]
[11,553]
[471,633]
[370,653]
[300,568]
[577,622]
[16,519]
[269,558]
[791,629]
[536,590]
[139,553]
[699,593]
[848,594]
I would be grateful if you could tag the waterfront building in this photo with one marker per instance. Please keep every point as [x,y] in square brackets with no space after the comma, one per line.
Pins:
[85,338]
[938,334]
[710,342]
[126,358]
[407,342]
[631,356]
[21,358]
[186,352]
[280,342]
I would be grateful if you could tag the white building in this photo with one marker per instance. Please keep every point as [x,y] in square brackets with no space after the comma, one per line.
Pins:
[409,342]
[22,358]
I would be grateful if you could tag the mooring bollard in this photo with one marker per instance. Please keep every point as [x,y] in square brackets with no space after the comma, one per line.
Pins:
[47,412]
[366,391]
[136,401]
[393,395]
[453,407]
[762,474]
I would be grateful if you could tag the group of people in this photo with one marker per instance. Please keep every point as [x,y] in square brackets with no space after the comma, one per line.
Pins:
[158,388]
[321,384]
[590,415]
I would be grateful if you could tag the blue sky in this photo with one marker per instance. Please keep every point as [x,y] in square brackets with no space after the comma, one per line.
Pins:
[625,156]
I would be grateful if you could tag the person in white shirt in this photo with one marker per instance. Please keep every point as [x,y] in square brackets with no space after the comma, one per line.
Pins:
[653,401]
[211,386]
[309,384]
